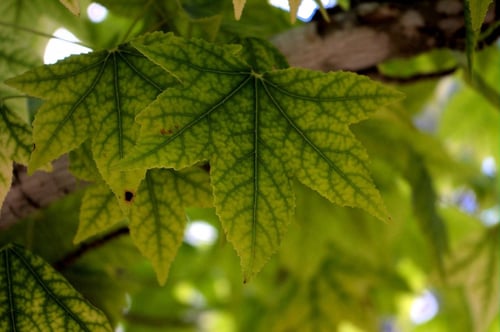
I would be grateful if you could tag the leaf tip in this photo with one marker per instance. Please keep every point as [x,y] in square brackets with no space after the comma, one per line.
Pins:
[72,5]
[238,8]
[77,239]
[161,277]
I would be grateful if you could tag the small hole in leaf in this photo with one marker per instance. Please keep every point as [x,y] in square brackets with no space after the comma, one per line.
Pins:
[129,196]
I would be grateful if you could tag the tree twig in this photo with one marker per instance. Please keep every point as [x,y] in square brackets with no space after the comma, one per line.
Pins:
[73,256]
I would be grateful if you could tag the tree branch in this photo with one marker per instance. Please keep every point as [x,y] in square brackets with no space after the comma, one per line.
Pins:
[30,193]
[373,32]
[71,257]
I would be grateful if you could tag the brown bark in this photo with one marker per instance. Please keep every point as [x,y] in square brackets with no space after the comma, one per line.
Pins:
[373,32]
[30,193]
[356,40]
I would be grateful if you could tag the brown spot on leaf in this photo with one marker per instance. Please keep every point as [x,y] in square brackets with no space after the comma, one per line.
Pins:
[164,131]
[129,196]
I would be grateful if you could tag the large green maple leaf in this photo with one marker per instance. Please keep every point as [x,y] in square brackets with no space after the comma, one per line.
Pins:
[260,124]
[95,96]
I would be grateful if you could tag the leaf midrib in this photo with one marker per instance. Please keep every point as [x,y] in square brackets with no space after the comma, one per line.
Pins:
[156,214]
[48,291]
[255,173]
[192,123]
[118,108]
[80,100]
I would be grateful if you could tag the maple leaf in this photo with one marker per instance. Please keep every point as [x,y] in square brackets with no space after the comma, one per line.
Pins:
[15,145]
[37,298]
[97,96]
[259,125]
[157,217]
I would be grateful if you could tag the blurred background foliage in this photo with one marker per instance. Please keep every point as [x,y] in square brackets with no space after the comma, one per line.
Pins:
[434,267]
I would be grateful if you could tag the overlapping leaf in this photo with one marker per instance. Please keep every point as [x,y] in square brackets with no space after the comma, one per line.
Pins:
[157,217]
[99,212]
[259,125]
[95,96]
[15,145]
[474,270]
[35,297]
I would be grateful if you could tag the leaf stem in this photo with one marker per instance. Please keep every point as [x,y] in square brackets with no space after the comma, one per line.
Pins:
[42,34]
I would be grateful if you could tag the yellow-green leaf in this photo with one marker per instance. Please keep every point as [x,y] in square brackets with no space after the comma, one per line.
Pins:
[157,217]
[294,8]
[238,8]
[15,145]
[82,164]
[474,269]
[34,297]
[478,9]
[96,96]
[99,212]
[259,125]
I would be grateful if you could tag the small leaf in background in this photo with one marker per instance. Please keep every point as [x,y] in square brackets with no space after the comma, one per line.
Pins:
[344,4]
[72,5]
[474,12]
[37,298]
[424,199]
[478,9]
[95,96]
[467,140]
[259,126]
[322,10]
[238,8]
[15,145]
[294,8]
[474,270]
[158,218]
[439,60]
